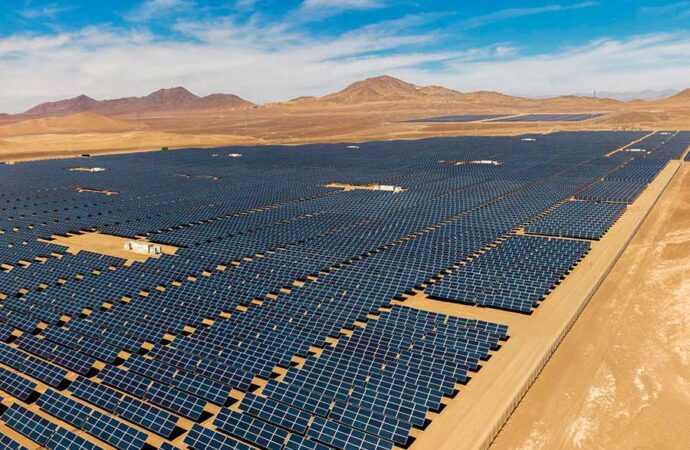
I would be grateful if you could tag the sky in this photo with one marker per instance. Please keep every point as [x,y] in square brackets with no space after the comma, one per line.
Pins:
[274,50]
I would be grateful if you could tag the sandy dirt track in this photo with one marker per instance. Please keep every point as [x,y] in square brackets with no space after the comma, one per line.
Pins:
[634,391]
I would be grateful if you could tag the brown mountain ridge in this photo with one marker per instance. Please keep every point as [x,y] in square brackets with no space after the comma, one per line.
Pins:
[161,100]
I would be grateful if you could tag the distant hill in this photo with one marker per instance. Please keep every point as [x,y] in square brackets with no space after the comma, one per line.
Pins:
[383,88]
[647,94]
[162,100]
[580,103]
[384,91]
[680,97]
[389,89]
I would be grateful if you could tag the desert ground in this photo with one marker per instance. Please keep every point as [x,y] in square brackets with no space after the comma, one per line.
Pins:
[633,392]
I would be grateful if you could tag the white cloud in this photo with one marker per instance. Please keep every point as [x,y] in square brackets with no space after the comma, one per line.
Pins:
[271,62]
[342,4]
[261,62]
[512,13]
[317,9]
[151,9]
[655,61]
[43,12]
[679,9]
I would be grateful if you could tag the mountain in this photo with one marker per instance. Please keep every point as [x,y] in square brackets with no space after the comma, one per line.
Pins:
[681,97]
[581,103]
[386,89]
[383,88]
[69,106]
[173,99]
[389,89]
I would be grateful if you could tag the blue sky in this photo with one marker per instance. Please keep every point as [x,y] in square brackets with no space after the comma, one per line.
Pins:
[271,50]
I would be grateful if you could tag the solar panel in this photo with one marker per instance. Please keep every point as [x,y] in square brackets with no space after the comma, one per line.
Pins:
[15,384]
[8,443]
[155,419]
[250,429]
[64,408]
[29,424]
[114,432]
[201,387]
[275,412]
[297,442]
[95,393]
[130,382]
[151,368]
[343,437]
[385,427]
[168,446]
[177,401]
[43,371]
[202,438]
[66,440]
[75,361]
[303,399]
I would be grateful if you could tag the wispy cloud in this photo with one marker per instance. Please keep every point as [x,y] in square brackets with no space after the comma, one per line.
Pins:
[655,61]
[313,9]
[511,13]
[678,9]
[151,9]
[258,60]
[50,11]
[271,59]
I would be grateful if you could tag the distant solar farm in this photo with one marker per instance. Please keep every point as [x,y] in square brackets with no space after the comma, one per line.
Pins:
[510,118]
[282,318]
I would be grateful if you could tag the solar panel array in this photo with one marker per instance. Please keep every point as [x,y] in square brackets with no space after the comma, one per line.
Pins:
[550,117]
[457,118]
[516,275]
[579,219]
[273,268]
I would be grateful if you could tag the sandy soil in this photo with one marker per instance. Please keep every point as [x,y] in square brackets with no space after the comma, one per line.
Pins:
[633,392]
[105,244]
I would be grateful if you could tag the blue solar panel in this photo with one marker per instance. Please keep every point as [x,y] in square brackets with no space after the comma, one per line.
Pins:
[125,380]
[202,438]
[155,419]
[201,387]
[275,412]
[15,384]
[250,429]
[9,444]
[29,424]
[114,432]
[297,442]
[312,402]
[343,437]
[177,401]
[66,440]
[151,368]
[386,427]
[64,408]
[96,393]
